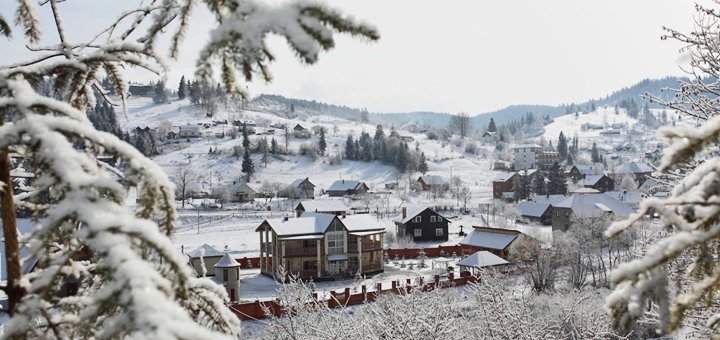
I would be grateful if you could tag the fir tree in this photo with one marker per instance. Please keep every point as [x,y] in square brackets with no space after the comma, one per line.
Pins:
[246,139]
[350,148]
[379,143]
[422,164]
[265,155]
[322,145]
[570,159]
[273,146]
[182,88]
[522,186]
[160,95]
[562,146]
[539,183]
[492,127]
[401,159]
[248,167]
[595,154]
[556,181]
[195,93]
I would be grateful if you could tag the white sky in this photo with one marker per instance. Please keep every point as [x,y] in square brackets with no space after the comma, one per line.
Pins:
[447,56]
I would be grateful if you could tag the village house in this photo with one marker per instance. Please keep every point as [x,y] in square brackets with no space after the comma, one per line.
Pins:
[300,131]
[422,223]
[432,182]
[638,170]
[300,188]
[587,205]
[546,159]
[499,164]
[332,206]
[494,240]
[347,188]
[536,212]
[631,198]
[209,255]
[503,183]
[245,192]
[322,246]
[524,156]
[141,90]
[190,131]
[601,183]
[579,171]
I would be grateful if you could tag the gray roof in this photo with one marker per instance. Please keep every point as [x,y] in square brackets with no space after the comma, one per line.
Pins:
[590,180]
[433,179]
[412,211]
[503,176]
[594,205]
[532,209]
[299,181]
[630,197]
[344,185]
[323,205]
[488,239]
[361,222]
[209,251]
[190,128]
[317,223]
[633,168]
[588,169]
[552,199]
[520,146]
[227,261]
[482,259]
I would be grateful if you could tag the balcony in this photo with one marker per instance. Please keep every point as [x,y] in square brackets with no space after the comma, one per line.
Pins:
[367,245]
[301,251]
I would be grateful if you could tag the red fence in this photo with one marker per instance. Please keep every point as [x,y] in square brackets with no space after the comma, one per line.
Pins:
[254,310]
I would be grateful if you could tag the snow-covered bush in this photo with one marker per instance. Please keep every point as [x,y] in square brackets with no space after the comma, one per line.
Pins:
[471,148]
[309,150]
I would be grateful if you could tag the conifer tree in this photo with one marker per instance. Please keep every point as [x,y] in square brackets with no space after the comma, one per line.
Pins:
[160,95]
[265,155]
[322,145]
[182,88]
[350,148]
[539,183]
[595,154]
[492,127]
[562,146]
[246,138]
[422,164]
[522,186]
[248,167]
[556,181]
[273,146]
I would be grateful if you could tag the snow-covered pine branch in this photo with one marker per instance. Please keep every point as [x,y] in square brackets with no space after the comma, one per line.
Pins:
[132,280]
[692,211]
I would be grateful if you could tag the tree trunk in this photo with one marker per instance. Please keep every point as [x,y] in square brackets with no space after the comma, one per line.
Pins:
[10,233]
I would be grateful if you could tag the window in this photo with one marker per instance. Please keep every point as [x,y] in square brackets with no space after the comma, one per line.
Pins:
[418,232]
[432,219]
[336,242]
[438,232]
[225,274]
[417,219]
[309,265]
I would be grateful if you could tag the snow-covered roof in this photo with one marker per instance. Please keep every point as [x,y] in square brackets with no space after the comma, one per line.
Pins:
[227,261]
[361,222]
[552,199]
[633,168]
[190,128]
[299,181]
[323,205]
[412,211]
[310,224]
[433,179]
[208,251]
[503,176]
[488,239]
[344,185]
[522,146]
[590,180]
[533,209]
[584,191]
[594,205]
[588,169]
[482,259]
[528,172]
[630,197]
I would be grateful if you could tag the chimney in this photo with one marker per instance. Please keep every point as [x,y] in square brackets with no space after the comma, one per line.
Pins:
[404,212]
[285,219]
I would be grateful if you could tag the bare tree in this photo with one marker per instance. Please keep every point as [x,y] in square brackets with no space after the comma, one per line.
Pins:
[183,176]
[270,190]
[460,124]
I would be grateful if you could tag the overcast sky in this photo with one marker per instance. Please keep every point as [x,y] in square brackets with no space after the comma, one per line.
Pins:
[448,56]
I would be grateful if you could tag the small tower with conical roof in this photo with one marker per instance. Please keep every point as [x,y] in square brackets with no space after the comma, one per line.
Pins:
[227,273]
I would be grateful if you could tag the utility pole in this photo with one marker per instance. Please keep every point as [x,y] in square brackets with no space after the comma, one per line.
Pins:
[197,208]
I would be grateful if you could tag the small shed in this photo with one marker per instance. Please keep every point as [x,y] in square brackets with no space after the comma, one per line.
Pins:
[482,260]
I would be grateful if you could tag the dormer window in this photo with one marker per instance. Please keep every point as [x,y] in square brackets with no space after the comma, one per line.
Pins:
[417,219]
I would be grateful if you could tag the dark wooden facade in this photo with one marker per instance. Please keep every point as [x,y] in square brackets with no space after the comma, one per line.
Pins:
[427,225]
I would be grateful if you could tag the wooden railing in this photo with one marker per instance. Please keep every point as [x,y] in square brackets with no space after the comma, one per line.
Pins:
[301,251]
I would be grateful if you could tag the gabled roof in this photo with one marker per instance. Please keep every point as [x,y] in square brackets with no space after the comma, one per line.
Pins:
[304,225]
[227,261]
[594,205]
[482,259]
[520,146]
[208,251]
[322,206]
[633,168]
[189,128]
[533,209]
[588,169]
[488,239]
[413,211]
[344,185]
[552,199]
[299,181]
[584,191]
[503,177]
[630,197]
[361,222]
[590,180]
[432,179]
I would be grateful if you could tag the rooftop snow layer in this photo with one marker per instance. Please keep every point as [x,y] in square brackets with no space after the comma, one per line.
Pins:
[488,239]
[482,259]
